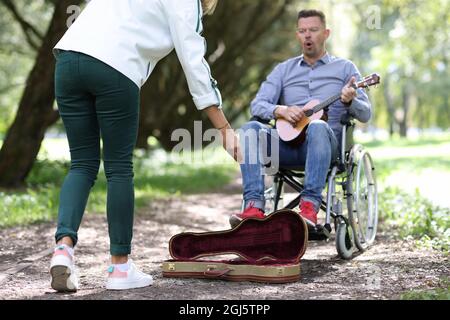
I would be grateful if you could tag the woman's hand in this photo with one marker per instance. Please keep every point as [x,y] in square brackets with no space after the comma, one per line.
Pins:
[230,140]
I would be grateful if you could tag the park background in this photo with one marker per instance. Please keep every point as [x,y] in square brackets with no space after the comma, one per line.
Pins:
[405,41]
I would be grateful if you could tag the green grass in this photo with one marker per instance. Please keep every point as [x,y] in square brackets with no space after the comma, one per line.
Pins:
[442,293]
[437,294]
[412,156]
[413,177]
[416,165]
[157,176]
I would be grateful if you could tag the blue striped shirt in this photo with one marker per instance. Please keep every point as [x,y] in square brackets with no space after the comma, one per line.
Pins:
[294,83]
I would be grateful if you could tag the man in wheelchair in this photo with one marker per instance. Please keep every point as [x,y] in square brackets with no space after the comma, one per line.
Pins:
[292,84]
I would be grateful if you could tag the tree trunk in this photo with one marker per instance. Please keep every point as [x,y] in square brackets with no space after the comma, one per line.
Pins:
[389,104]
[35,112]
[406,102]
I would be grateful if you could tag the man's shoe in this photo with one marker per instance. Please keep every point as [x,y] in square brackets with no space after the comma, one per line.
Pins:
[131,279]
[308,212]
[250,212]
[62,271]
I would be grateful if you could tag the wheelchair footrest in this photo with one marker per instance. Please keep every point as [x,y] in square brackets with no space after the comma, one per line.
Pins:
[318,233]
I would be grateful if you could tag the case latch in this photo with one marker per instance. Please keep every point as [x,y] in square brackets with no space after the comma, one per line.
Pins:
[280,271]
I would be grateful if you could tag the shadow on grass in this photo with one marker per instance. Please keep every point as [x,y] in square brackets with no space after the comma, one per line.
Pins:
[39,200]
[187,181]
[169,178]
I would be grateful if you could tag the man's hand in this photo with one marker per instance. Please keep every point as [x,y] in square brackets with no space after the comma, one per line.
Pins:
[292,114]
[348,92]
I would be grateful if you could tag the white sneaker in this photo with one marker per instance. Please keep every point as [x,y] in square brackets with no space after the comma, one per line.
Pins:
[133,278]
[62,271]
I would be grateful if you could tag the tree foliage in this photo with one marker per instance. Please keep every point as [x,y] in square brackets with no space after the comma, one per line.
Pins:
[241,51]
[410,48]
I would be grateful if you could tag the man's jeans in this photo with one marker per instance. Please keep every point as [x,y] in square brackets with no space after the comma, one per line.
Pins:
[261,145]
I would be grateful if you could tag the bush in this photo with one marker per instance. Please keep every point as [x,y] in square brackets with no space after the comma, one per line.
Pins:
[46,172]
[416,217]
[436,294]
[28,207]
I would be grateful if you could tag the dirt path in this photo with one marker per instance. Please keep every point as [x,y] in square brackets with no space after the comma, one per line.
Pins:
[384,272]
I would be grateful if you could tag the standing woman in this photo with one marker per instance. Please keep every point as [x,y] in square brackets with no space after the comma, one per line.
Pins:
[102,62]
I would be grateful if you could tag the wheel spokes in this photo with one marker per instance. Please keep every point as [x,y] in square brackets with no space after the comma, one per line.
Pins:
[365,200]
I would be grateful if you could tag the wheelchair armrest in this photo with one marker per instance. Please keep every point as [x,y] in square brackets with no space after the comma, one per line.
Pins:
[259,119]
[347,120]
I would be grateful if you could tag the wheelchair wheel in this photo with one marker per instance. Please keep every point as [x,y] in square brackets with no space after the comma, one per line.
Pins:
[345,240]
[363,200]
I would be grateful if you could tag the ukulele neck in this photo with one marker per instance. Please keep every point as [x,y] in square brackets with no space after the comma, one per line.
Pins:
[322,105]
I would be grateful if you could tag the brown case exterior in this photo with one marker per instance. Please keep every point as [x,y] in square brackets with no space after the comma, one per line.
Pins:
[272,273]
[271,252]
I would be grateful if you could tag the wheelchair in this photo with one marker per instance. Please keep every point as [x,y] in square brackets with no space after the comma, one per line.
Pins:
[350,198]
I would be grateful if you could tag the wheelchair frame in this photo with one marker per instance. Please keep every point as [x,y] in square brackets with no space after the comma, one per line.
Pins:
[354,209]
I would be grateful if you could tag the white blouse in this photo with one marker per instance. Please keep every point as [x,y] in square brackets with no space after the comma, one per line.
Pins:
[133,35]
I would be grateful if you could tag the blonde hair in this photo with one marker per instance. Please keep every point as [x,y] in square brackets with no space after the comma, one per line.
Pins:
[209,6]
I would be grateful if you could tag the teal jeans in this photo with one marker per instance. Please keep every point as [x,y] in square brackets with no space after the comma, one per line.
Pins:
[96,102]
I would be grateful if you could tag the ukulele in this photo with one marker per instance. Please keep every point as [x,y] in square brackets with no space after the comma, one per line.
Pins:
[314,110]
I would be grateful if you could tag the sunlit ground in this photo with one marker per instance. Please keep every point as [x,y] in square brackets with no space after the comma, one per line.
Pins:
[430,183]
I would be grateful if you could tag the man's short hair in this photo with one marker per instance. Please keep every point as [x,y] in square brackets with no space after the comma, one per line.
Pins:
[313,13]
